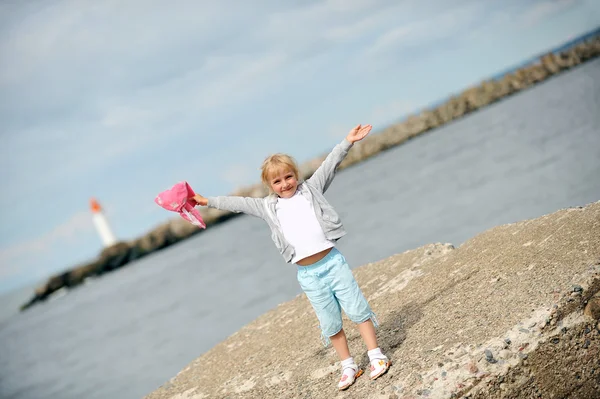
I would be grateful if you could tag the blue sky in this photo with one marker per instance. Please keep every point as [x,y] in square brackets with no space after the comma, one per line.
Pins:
[121,99]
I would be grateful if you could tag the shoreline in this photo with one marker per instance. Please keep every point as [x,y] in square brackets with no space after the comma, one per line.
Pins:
[532,72]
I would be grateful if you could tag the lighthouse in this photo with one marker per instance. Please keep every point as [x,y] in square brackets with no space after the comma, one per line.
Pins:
[106,234]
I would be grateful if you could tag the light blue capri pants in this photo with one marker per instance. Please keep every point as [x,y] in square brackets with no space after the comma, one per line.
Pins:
[331,287]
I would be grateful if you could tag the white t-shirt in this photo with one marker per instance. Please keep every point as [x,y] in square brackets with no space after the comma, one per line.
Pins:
[300,226]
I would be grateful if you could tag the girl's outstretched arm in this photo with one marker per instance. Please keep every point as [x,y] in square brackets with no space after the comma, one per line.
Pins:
[249,205]
[324,175]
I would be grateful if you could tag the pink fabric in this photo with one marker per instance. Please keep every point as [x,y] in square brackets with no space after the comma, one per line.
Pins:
[176,199]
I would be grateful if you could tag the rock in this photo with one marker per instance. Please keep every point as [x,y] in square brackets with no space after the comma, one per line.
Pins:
[586,344]
[471,367]
[435,307]
[592,309]
[113,257]
[489,356]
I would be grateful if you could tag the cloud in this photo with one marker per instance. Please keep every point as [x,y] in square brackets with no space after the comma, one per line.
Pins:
[88,86]
[392,112]
[418,32]
[62,54]
[239,175]
[544,9]
[428,29]
[337,130]
[87,63]
[84,86]
[23,258]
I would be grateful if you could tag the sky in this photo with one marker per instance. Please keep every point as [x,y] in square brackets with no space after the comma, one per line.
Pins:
[120,99]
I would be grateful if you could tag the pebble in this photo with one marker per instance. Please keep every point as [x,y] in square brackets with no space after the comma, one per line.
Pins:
[524,330]
[489,356]
[577,288]
[586,344]
[507,341]
[472,368]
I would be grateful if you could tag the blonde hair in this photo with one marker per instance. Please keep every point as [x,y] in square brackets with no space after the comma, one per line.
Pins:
[274,163]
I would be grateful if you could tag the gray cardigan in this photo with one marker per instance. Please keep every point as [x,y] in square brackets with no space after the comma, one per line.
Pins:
[313,189]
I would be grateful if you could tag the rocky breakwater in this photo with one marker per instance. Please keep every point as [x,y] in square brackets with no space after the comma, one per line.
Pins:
[122,253]
[512,313]
[470,100]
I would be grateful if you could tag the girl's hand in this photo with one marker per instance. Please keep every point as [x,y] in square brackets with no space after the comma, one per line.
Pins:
[199,200]
[358,133]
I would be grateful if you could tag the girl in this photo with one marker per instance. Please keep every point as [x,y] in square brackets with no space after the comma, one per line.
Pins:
[305,228]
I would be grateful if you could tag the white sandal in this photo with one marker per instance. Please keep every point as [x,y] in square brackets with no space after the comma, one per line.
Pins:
[348,377]
[379,367]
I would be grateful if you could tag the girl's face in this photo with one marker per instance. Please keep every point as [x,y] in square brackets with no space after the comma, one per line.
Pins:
[284,183]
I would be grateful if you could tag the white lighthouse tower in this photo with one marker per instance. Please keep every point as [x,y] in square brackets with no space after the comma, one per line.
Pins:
[106,234]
